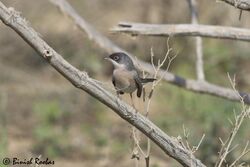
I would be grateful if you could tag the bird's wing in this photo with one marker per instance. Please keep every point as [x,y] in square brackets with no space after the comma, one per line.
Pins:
[138,85]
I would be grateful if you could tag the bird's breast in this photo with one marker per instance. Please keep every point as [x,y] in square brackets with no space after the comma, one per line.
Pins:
[124,80]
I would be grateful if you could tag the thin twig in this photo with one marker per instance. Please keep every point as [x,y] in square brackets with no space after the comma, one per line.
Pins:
[195,148]
[185,143]
[244,152]
[226,146]
[155,83]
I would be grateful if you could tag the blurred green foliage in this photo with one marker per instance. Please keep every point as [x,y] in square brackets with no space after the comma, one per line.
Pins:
[51,138]
[3,142]
[3,125]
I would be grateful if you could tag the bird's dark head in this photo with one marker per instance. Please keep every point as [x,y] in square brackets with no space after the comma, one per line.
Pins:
[121,60]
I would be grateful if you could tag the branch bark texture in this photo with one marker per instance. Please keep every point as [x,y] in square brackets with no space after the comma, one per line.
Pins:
[109,46]
[81,80]
[183,30]
[240,4]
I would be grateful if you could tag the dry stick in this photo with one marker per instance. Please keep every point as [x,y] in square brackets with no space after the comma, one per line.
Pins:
[136,147]
[240,4]
[240,14]
[198,42]
[186,144]
[188,84]
[196,148]
[155,83]
[226,146]
[222,32]
[135,138]
[244,152]
[145,155]
[81,80]
[137,143]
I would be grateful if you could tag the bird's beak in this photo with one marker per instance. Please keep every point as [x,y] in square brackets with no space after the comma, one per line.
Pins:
[106,58]
[109,59]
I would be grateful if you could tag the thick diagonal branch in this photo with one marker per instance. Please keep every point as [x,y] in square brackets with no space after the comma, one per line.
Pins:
[109,46]
[198,42]
[240,4]
[81,80]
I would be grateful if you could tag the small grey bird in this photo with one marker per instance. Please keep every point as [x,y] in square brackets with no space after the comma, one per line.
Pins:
[125,77]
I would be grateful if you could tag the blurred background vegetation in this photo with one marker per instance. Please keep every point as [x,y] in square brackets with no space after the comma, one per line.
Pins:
[41,113]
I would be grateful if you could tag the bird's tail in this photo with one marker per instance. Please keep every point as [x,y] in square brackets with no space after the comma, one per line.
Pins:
[146,80]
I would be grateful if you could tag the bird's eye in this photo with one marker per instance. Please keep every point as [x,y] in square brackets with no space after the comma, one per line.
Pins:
[116,58]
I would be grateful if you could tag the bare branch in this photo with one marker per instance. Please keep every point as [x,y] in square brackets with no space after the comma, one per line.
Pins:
[92,33]
[195,148]
[240,4]
[198,42]
[155,83]
[188,84]
[226,147]
[81,80]
[185,143]
[244,152]
[183,30]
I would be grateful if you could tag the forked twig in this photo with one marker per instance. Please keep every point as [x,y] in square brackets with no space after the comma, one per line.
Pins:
[244,152]
[157,68]
[238,120]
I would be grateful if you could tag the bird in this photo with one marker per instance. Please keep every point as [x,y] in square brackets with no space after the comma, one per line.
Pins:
[126,78]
